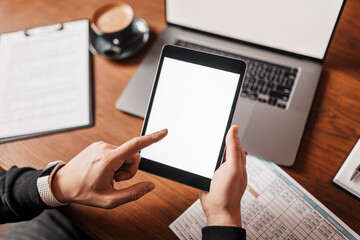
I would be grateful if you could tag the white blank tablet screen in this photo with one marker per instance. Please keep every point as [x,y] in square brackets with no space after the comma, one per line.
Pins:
[193,102]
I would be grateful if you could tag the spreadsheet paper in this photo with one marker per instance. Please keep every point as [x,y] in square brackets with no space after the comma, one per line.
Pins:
[274,206]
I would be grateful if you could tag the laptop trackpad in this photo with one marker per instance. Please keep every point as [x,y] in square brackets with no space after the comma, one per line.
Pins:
[242,115]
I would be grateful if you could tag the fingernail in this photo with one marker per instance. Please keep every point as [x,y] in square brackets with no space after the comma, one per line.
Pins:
[150,187]
[236,131]
[163,131]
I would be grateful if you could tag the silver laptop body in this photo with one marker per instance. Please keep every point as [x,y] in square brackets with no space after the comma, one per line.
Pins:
[267,131]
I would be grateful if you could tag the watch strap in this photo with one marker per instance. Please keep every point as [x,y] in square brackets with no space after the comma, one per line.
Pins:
[44,184]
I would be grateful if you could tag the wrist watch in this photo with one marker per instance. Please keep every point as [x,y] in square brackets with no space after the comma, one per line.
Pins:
[43,184]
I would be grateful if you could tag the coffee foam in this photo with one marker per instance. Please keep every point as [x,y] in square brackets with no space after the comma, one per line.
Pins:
[114,17]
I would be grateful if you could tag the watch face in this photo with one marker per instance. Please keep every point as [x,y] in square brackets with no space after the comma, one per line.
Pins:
[47,171]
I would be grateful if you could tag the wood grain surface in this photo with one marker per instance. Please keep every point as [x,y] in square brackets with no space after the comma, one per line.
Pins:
[332,129]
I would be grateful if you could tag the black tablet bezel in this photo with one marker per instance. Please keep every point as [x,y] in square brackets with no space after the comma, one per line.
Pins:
[204,59]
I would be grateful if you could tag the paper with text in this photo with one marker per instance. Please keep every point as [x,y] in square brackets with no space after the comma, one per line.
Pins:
[343,176]
[274,206]
[44,80]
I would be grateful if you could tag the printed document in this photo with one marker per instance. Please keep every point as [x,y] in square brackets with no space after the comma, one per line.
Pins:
[274,206]
[44,79]
[342,178]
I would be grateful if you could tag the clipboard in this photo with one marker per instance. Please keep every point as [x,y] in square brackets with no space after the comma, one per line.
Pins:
[46,83]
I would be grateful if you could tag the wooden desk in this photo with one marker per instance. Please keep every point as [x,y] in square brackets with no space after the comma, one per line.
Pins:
[332,129]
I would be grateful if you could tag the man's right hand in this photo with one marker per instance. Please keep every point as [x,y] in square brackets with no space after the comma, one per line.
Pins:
[222,203]
[89,177]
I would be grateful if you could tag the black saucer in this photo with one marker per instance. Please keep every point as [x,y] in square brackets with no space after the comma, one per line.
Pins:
[142,32]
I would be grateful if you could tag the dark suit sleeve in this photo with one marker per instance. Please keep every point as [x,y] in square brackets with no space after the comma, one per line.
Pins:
[223,232]
[19,198]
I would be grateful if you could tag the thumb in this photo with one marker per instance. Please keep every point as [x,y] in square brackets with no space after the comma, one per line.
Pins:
[233,147]
[132,193]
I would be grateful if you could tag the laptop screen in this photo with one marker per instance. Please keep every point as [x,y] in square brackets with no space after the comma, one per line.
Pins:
[299,26]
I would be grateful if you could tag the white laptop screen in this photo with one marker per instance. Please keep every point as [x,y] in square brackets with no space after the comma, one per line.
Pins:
[299,26]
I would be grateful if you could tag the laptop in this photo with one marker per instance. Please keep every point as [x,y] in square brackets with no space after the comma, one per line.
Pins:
[284,43]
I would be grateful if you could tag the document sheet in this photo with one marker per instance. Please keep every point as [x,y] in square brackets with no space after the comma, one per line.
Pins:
[44,80]
[342,178]
[274,206]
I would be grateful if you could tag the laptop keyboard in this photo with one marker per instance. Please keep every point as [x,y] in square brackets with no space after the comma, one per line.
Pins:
[264,82]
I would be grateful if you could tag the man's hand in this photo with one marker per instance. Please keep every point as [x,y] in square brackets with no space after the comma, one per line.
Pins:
[222,203]
[89,177]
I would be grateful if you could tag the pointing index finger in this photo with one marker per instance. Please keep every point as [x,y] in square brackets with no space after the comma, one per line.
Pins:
[134,145]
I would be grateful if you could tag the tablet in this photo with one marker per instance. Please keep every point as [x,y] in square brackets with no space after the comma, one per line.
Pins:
[194,96]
